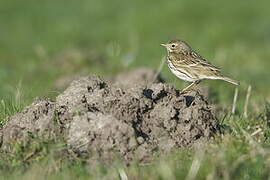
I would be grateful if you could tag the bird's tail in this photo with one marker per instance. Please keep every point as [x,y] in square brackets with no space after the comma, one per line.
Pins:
[230,80]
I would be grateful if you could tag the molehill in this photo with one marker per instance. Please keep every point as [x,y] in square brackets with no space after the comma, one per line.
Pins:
[131,116]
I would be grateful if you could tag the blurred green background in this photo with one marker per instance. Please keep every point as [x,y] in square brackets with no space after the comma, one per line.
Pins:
[41,41]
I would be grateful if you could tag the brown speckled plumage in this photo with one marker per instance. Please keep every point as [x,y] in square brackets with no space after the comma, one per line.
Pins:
[186,64]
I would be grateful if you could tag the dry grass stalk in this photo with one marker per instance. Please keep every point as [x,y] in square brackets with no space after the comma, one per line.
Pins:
[234,100]
[163,60]
[247,101]
[196,164]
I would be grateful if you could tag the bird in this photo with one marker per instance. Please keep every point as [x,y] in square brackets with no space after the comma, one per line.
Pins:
[189,66]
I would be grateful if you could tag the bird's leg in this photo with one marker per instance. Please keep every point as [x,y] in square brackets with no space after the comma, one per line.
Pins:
[190,86]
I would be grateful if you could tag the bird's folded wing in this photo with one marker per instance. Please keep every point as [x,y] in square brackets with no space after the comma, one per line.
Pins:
[201,61]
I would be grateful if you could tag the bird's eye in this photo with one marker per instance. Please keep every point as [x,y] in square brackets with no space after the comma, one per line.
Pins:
[173,45]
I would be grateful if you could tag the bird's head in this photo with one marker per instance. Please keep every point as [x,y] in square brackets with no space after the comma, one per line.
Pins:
[176,46]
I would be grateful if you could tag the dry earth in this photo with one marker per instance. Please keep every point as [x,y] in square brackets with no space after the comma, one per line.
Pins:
[130,116]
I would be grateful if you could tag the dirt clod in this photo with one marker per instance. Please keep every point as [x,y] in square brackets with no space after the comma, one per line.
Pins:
[35,120]
[132,119]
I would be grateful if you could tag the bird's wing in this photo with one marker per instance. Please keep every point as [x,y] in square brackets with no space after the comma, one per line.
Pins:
[200,61]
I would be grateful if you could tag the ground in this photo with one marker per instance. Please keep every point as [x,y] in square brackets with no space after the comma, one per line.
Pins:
[44,45]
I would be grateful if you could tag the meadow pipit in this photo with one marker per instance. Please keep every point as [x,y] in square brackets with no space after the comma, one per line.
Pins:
[186,64]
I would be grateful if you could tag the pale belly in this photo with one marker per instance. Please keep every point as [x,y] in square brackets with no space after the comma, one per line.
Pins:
[179,74]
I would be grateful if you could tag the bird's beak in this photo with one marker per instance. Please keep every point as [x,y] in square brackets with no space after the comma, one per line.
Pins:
[163,45]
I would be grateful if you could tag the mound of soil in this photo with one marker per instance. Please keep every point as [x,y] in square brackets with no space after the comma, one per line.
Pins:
[132,117]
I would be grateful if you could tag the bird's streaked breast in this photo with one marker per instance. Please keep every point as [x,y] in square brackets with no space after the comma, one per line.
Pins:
[180,74]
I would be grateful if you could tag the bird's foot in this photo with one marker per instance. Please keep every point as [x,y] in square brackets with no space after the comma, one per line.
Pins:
[190,87]
[185,91]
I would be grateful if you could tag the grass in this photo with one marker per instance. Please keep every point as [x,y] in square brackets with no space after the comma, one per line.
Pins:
[42,41]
